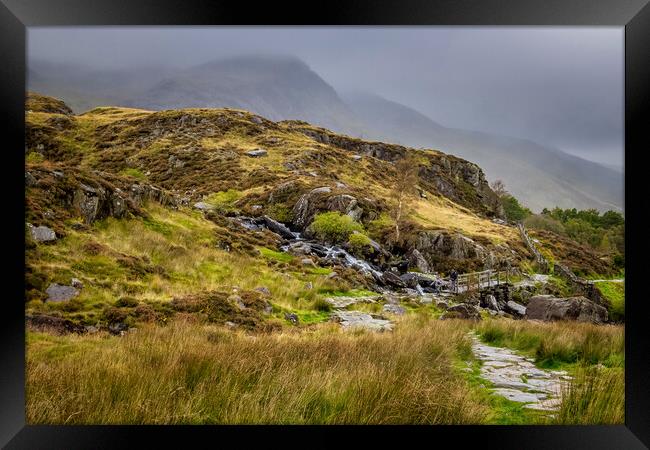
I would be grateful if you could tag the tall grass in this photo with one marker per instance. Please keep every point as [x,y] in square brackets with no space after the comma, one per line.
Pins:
[556,343]
[596,396]
[186,373]
[594,354]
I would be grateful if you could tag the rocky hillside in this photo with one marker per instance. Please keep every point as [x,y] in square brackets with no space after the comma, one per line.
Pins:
[164,205]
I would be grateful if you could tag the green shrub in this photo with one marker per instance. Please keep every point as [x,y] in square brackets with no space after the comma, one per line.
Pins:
[334,226]
[359,243]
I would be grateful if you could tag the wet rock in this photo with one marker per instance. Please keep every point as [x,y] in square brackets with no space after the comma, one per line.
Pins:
[41,233]
[257,153]
[278,228]
[60,293]
[307,206]
[549,308]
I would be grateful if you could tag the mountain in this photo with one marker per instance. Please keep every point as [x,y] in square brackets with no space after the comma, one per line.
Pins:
[275,87]
[539,176]
[285,88]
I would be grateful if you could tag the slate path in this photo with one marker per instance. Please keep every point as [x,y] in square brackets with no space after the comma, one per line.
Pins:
[517,379]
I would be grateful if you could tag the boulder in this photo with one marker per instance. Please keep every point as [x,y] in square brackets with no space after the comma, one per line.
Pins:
[416,259]
[59,293]
[462,311]
[392,279]
[549,308]
[515,308]
[411,280]
[41,233]
[257,153]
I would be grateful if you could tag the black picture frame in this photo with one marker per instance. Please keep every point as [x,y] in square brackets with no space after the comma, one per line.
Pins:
[16,15]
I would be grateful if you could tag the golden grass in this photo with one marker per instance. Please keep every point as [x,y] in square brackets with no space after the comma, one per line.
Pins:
[185,373]
[439,212]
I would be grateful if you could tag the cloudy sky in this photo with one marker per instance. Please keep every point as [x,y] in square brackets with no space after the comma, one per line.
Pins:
[559,86]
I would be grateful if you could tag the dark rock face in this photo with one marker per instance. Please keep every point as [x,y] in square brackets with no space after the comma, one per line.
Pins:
[461,311]
[392,279]
[548,308]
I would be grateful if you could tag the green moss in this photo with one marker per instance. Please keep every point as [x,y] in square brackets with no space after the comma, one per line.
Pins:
[275,255]
[224,201]
[135,173]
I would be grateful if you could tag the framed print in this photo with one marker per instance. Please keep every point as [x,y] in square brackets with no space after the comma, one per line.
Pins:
[387,219]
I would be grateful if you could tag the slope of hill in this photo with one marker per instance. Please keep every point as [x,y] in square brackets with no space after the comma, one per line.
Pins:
[537,175]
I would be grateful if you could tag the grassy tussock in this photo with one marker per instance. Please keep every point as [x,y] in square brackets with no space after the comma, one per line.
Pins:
[184,373]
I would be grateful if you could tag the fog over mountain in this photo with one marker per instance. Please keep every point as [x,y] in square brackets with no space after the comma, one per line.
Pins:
[313,86]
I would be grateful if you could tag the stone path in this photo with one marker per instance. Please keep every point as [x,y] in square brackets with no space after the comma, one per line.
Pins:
[359,319]
[517,379]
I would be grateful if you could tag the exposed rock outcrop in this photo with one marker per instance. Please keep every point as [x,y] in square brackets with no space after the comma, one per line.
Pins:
[549,308]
